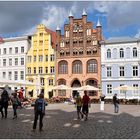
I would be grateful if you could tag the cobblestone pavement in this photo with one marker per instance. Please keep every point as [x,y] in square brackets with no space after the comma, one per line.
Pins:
[60,122]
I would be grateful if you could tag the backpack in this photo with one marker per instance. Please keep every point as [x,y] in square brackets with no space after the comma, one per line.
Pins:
[40,105]
[4,96]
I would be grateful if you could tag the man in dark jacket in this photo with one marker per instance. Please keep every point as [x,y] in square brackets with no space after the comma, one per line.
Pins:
[116,103]
[39,110]
[4,103]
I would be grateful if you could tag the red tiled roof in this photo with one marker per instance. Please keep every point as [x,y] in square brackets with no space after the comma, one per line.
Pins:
[1,40]
[53,37]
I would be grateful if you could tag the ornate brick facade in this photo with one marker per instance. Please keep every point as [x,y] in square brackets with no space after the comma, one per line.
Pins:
[78,54]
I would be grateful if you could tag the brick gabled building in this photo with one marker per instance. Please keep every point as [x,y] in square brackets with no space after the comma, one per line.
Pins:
[78,55]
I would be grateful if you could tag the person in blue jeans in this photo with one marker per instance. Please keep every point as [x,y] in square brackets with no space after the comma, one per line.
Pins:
[116,103]
[39,111]
[15,103]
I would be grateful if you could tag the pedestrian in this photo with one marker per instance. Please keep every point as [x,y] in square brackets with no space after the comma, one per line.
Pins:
[4,103]
[0,106]
[102,100]
[116,103]
[39,111]
[15,103]
[79,106]
[85,105]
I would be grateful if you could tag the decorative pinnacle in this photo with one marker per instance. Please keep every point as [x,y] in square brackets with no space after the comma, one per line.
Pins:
[58,28]
[70,14]
[84,13]
[98,23]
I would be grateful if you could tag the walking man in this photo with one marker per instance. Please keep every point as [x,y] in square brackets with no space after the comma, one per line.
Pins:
[39,110]
[116,103]
[102,100]
[85,102]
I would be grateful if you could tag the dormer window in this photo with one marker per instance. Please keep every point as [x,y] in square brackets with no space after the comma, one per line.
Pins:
[88,31]
[67,33]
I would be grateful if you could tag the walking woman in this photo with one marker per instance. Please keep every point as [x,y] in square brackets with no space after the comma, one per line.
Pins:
[15,102]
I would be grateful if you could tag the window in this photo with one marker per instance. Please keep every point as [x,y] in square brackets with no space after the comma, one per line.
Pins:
[4,75]
[10,50]
[77,67]
[67,33]
[22,75]
[41,34]
[121,53]
[4,62]
[63,67]
[29,70]
[134,52]
[50,82]
[34,70]
[42,81]
[40,42]
[121,71]
[88,31]
[40,58]
[108,53]
[29,58]
[16,61]
[46,69]
[92,66]
[52,57]
[16,49]
[40,70]
[108,71]
[109,89]
[4,51]
[10,61]
[34,58]
[135,70]
[16,75]
[22,49]
[22,61]
[94,42]
[135,91]
[46,57]
[62,44]
[10,75]
[52,70]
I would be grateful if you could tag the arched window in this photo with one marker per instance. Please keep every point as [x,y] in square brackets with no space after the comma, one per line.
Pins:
[134,52]
[77,67]
[61,82]
[108,53]
[121,53]
[115,53]
[63,67]
[128,52]
[92,66]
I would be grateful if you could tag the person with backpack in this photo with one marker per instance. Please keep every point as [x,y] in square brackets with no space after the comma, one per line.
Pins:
[4,103]
[15,103]
[116,103]
[39,111]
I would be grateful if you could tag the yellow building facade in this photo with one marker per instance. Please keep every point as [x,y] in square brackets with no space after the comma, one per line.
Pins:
[40,66]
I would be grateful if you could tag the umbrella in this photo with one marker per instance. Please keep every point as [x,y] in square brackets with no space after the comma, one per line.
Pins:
[125,88]
[61,87]
[88,88]
[10,91]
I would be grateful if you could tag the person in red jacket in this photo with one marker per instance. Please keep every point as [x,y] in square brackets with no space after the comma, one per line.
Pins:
[85,104]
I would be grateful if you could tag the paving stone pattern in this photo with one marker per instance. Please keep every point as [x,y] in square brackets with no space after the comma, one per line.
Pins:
[60,122]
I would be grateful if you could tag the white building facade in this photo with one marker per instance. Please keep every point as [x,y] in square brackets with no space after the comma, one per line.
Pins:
[120,65]
[13,60]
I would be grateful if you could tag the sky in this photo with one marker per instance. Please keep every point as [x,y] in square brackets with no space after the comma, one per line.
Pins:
[118,18]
